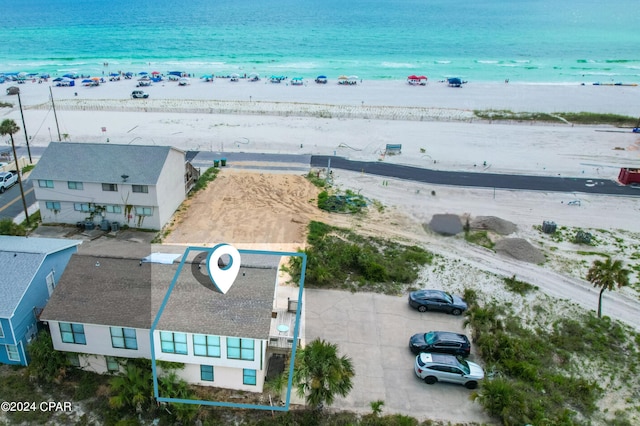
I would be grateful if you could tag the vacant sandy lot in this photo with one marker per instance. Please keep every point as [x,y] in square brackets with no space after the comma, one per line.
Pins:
[265,211]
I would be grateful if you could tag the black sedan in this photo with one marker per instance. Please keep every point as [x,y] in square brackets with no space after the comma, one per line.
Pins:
[437,300]
[444,342]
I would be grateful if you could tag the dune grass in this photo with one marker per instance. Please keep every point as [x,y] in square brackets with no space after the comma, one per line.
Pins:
[585,118]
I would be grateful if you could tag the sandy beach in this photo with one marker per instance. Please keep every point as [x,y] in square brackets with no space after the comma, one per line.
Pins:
[434,123]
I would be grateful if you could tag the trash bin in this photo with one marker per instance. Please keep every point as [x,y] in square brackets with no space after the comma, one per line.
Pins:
[89,225]
[223,162]
[115,226]
[216,163]
[104,225]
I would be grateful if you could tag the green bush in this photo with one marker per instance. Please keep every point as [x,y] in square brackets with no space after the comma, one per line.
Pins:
[339,258]
[7,227]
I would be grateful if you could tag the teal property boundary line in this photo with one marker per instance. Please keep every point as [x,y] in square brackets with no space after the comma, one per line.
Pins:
[296,332]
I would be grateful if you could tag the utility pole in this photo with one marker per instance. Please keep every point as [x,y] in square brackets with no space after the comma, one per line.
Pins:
[24,127]
[18,171]
[55,115]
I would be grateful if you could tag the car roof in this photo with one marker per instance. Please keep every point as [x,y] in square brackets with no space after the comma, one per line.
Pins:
[429,292]
[451,336]
[439,359]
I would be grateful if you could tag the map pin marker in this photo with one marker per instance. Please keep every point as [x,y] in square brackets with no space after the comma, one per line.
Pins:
[224,277]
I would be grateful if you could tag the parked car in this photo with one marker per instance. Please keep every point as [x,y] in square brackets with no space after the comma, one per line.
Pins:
[7,180]
[432,368]
[437,300]
[441,342]
[136,94]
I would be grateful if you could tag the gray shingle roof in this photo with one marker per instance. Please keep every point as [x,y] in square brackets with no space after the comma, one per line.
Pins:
[121,292]
[92,162]
[20,258]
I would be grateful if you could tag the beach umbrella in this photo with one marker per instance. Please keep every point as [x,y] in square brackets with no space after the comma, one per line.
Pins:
[95,78]
[155,72]
[44,76]
[57,79]
[22,74]
[320,77]
[72,76]
[113,74]
[87,80]
[343,77]
[143,73]
[353,77]
[422,77]
[413,77]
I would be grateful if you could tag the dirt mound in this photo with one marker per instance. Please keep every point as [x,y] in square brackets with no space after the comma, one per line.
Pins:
[520,249]
[446,224]
[493,223]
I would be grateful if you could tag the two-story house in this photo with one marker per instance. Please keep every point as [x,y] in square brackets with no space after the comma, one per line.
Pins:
[103,310]
[137,185]
[31,268]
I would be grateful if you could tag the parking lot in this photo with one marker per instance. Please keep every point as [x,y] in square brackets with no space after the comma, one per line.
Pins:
[374,330]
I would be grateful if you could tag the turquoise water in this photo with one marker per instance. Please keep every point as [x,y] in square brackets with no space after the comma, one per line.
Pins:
[484,40]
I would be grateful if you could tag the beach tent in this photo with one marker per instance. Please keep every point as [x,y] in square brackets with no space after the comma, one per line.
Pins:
[235,77]
[413,80]
[321,79]
[454,82]
[276,78]
[176,73]
[353,79]
[296,81]
[207,77]
[254,76]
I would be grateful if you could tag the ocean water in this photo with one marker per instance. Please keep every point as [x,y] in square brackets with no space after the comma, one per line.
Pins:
[531,41]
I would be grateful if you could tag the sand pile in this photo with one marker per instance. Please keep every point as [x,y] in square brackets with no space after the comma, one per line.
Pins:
[494,224]
[446,224]
[520,249]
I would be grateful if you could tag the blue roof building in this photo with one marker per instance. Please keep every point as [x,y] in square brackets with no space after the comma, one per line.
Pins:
[31,268]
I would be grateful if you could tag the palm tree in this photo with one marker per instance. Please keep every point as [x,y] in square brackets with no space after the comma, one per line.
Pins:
[9,127]
[607,275]
[132,388]
[320,374]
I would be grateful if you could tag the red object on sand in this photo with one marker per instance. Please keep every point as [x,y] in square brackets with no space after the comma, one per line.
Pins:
[627,176]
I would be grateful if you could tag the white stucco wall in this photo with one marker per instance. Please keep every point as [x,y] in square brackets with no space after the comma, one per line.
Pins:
[171,185]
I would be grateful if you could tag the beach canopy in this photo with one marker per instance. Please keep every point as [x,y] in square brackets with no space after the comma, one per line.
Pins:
[343,77]
[454,81]
[413,77]
[113,74]
[321,77]
[422,77]
[176,73]
[155,72]
[86,80]
[70,75]
[207,76]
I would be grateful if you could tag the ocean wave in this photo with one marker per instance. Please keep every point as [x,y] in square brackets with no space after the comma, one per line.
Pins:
[487,61]
[442,62]
[397,65]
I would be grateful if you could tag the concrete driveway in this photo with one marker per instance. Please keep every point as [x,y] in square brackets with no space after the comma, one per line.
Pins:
[374,330]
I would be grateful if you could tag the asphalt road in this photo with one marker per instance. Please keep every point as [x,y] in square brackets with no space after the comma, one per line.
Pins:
[482,180]
[11,200]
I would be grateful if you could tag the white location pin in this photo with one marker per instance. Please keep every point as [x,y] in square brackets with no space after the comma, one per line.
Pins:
[224,277]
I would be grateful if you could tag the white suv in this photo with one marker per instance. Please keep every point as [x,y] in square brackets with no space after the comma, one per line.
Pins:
[448,368]
[139,94]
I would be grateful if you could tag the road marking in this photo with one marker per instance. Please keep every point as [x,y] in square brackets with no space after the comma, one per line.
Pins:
[15,199]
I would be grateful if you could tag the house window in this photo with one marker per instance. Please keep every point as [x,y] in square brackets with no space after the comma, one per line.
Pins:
[1,330]
[248,377]
[75,185]
[173,343]
[123,338]
[114,209]
[206,373]
[238,348]
[53,205]
[112,364]
[45,183]
[12,353]
[140,188]
[81,207]
[144,211]
[74,360]
[206,345]
[110,187]
[72,333]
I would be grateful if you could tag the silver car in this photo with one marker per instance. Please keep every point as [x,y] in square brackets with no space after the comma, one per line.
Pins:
[448,368]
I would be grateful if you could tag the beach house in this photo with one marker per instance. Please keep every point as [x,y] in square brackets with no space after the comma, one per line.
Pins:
[31,268]
[94,185]
[104,308]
